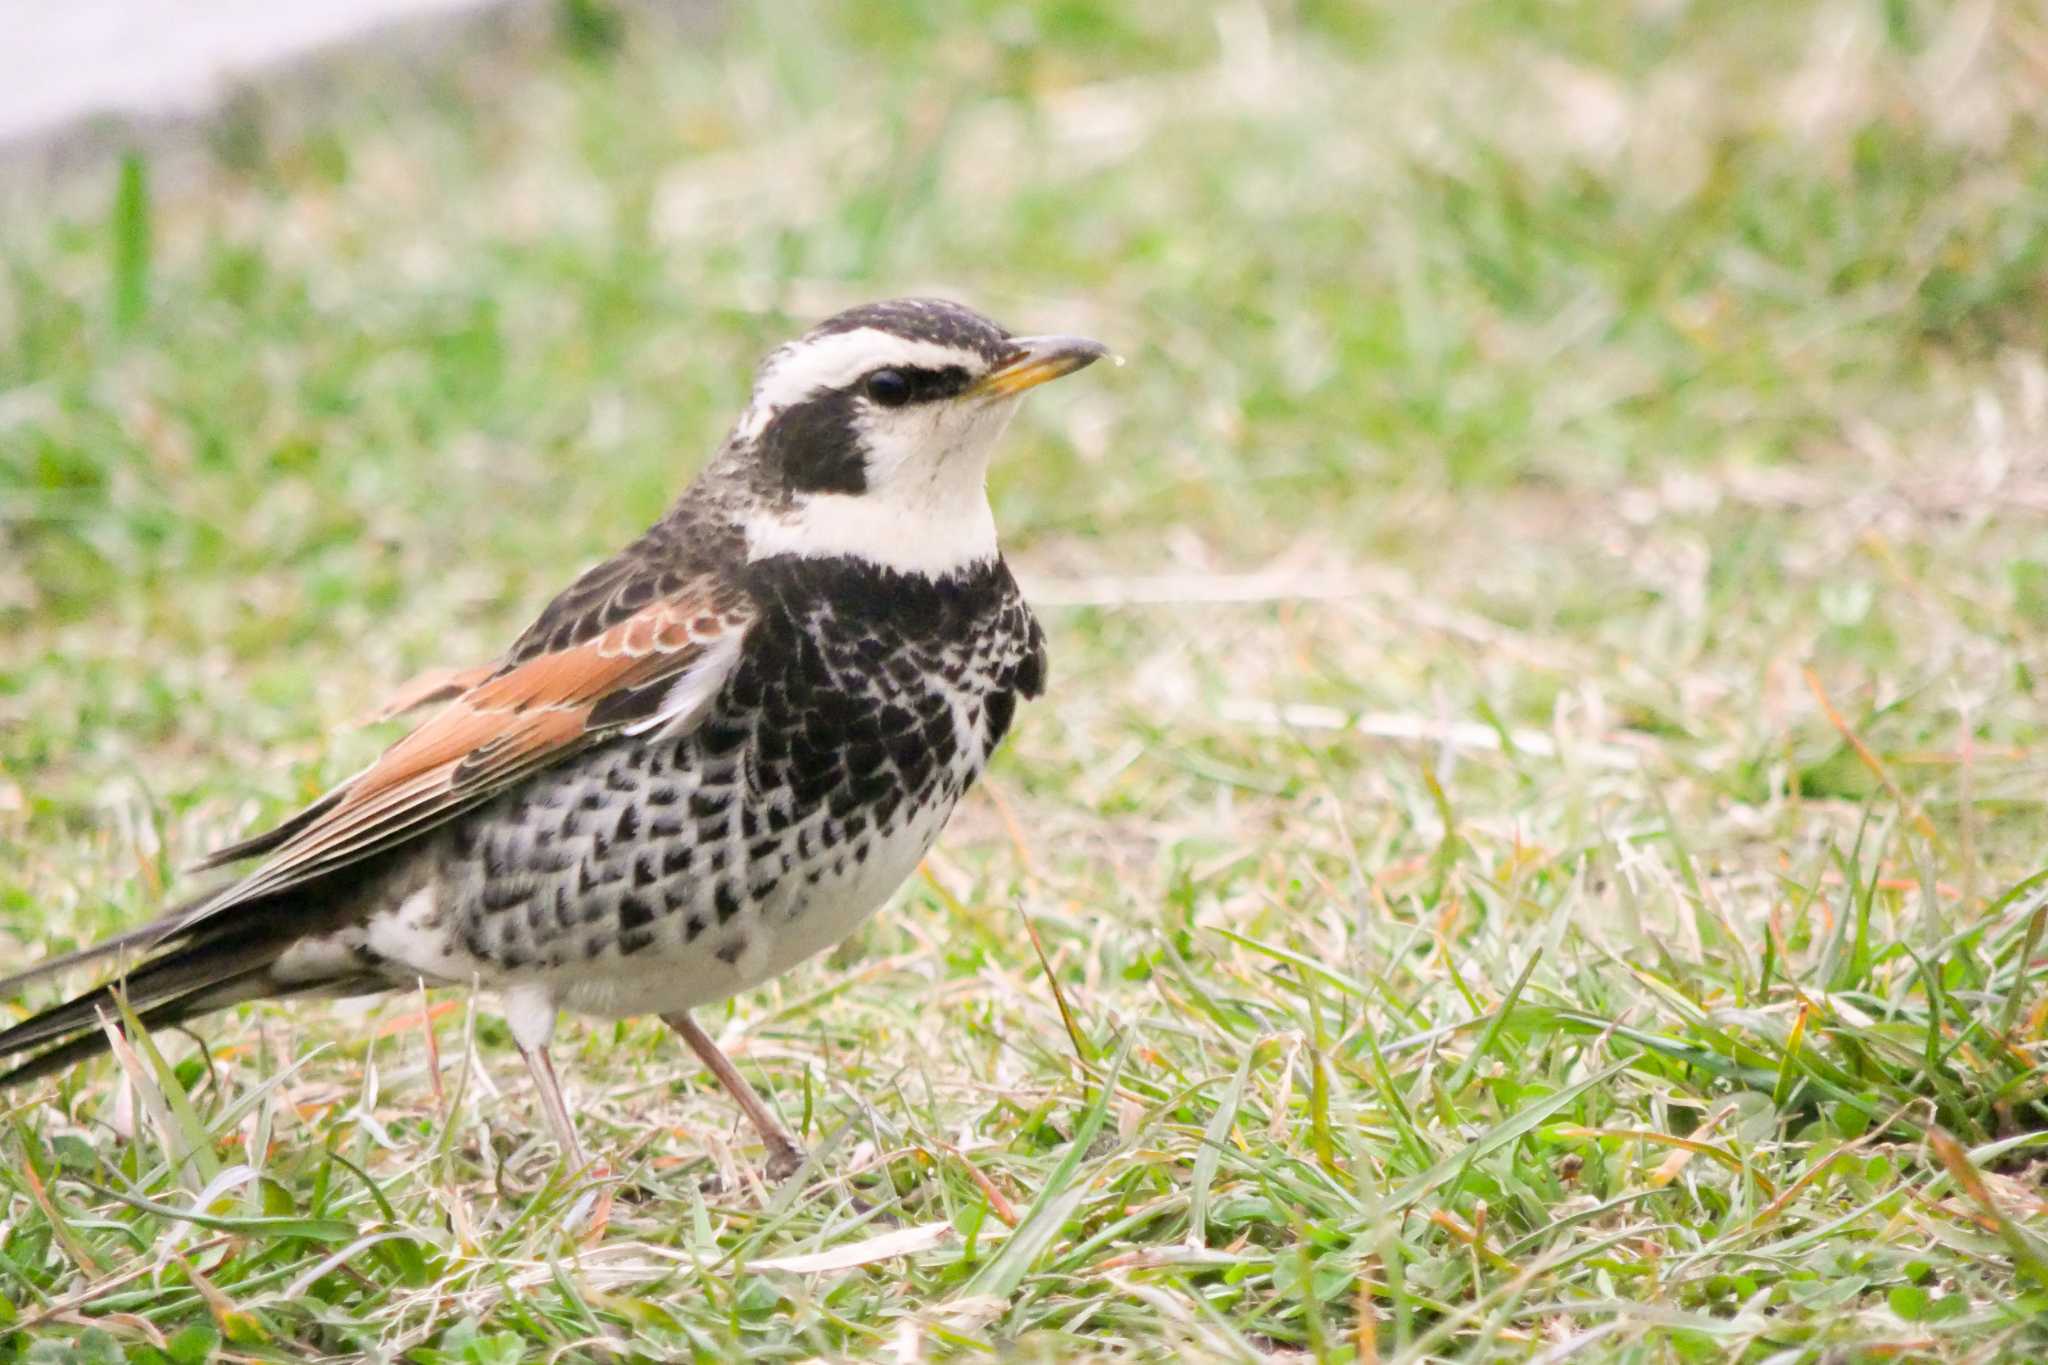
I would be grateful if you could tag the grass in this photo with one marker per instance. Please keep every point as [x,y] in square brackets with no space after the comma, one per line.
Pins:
[1536,831]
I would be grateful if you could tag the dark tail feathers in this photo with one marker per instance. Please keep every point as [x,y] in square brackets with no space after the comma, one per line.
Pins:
[194,969]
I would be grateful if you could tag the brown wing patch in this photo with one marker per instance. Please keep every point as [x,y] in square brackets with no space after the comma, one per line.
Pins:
[532,709]
[519,718]
[436,684]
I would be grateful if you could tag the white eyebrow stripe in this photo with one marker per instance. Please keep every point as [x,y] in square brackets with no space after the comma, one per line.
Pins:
[827,362]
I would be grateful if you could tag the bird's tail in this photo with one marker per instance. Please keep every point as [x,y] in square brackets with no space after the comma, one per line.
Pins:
[195,968]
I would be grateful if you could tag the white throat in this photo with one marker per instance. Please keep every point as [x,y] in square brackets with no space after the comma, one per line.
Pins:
[933,543]
[925,510]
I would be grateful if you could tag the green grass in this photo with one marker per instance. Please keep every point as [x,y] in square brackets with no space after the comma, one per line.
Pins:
[1479,939]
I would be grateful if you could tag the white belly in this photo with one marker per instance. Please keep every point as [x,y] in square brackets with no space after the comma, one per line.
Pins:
[799,921]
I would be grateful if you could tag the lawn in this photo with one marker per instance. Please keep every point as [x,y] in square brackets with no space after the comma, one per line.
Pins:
[1534,844]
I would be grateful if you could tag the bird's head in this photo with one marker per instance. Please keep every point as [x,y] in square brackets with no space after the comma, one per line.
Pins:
[870,435]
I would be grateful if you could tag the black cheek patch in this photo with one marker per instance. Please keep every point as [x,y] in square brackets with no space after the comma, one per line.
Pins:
[814,447]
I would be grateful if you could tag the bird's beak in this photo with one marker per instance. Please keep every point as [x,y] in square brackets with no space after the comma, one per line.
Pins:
[1037,359]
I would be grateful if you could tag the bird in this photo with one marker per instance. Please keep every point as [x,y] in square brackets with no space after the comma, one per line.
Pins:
[711,757]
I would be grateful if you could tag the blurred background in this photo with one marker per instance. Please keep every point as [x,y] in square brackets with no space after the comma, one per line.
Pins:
[1579,474]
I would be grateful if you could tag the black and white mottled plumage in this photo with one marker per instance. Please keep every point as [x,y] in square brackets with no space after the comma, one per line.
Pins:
[711,757]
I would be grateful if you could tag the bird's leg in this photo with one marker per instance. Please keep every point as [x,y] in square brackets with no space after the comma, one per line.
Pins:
[784,1155]
[543,1072]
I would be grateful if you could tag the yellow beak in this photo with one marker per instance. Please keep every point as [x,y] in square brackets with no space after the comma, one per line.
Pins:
[1036,360]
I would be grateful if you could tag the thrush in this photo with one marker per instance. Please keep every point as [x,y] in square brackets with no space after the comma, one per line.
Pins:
[711,757]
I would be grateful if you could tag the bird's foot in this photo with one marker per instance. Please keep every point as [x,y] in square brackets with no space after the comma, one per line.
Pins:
[785,1159]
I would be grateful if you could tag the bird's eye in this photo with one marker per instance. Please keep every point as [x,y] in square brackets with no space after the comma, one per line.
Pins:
[890,388]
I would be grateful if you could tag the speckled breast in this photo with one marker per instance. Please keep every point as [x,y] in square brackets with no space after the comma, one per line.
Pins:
[659,873]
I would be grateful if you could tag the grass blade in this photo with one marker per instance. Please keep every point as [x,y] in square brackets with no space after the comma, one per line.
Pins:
[1003,1272]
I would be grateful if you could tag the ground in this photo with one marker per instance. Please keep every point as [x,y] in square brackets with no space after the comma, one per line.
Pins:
[1532,845]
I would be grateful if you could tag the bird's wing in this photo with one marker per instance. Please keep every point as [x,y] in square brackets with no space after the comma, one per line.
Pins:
[620,652]
[424,689]
[635,645]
